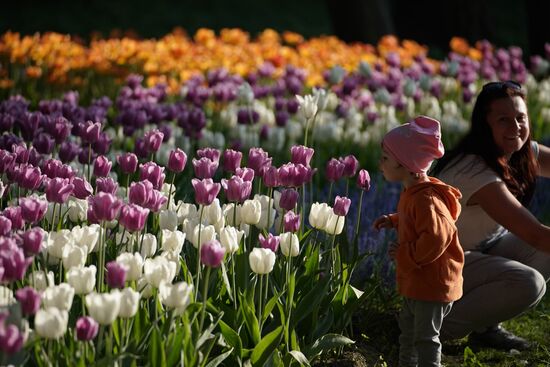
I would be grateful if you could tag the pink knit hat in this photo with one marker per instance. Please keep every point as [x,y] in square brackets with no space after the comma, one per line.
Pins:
[415,144]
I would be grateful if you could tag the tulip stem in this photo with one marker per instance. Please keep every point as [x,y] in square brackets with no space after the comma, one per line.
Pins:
[170,190]
[233,286]
[330,192]
[199,253]
[260,294]
[358,216]
[269,208]
[332,250]
[205,297]
[53,216]
[307,132]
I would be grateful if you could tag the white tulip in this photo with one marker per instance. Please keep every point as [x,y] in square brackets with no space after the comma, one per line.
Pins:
[87,236]
[129,302]
[6,296]
[229,212]
[174,257]
[261,260]
[145,289]
[127,240]
[103,307]
[335,224]
[175,295]
[159,269]
[230,238]
[172,240]
[167,188]
[308,106]
[78,209]
[185,210]
[56,241]
[266,207]
[290,245]
[134,264]
[168,219]
[251,212]
[148,246]
[74,256]
[319,214]
[51,323]
[82,279]
[321,96]
[59,296]
[213,213]
[40,280]
[207,233]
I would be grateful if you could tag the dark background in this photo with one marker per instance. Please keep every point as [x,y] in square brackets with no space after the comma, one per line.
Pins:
[430,22]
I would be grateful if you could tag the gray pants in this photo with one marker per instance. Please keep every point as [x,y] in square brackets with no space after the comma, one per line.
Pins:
[499,284]
[420,322]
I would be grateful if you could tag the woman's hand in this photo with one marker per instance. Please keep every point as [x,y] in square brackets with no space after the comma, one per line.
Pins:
[392,249]
[383,221]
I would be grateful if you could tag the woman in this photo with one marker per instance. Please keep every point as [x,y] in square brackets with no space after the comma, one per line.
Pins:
[507,250]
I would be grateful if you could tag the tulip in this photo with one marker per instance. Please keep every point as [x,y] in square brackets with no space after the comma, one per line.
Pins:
[230,238]
[363,180]
[159,269]
[261,260]
[68,151]
[74,256]
[205,190]
[341,206]
[140,193]
[212,253]
[288,199]
[116,274]
[335,224]
[77,210]
[82,279]
[236,189]
[51,323]
[168,219]
[207,233]
[251,212]
[308,106]
[104,206]
[335,170]
[152,172]
[177,160]
[87,236]
[129,303]
[133,263]
[11,339]
[89,132]
[148,245]
[231,160]
[29,300]
[290,245]
[205,167]
[5,226]
[301,155]
[30,178]
[102,166]
[58,296]
[43,143]
[133,217]
[210,153]
[270,242]
[156,202]
[153,139]
[257,159]
[172,240]
[319,215]
[128,162]
[103,307]
[270,176]
[86,328]
[247,174]
[13,213]
[82,188]
[176,295]
[13,262]
[291,221]
[106,184]
[351,164]
[41,280]
[32,240]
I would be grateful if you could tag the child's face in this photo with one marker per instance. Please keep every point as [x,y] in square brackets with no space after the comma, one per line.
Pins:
[391,169]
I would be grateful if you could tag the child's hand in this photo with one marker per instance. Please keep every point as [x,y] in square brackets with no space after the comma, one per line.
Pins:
[392,249]
[382,222]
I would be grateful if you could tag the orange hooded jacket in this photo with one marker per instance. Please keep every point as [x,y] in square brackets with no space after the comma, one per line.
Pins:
[429,257]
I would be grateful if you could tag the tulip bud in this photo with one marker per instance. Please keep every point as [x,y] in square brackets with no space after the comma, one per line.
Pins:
[231,160]
[363,180]
[291,222]
[116,274]
[51,323]
[212,254]
[290,245]
[341,206]
[128,162]
[177,160]
[102,166]
[86,328]
[270,242]
[129,303]
[288,199]
[261,260]
[29,299]
[103,307]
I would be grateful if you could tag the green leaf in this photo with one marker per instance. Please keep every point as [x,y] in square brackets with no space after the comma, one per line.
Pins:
[269,307]
[250,320]
[175,347]
[299,357]
[232,338]
[311,300]
[157,354]
[325,343]
[226,282]
[266,346]
[219,359]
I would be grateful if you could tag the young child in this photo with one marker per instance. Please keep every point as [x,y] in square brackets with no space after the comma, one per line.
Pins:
[428,255]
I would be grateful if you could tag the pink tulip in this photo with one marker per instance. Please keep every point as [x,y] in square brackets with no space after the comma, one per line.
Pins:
[341,205]
[246,174]
[363,180]
[301,154]
[258,158]
[177,160]
[133,217]
[102,166]
[236,189]
[231,160]
[128,162]
[212,253]
[335,170]
[86,328]
[153,140]
[82,188]
[29,299]
[351,164]
[116,274]
[140,193]
[271,242]
[105,206]
[152,172]
[270,176]
[205,190]
[58,190]
[289,198]
[291,221]
[205,167]
[210,153]
[33,209]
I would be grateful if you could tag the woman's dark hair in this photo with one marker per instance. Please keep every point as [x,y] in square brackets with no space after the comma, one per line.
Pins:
[519,173]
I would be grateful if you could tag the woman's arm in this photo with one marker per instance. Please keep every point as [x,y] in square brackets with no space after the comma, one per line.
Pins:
[544,161]
[497,201]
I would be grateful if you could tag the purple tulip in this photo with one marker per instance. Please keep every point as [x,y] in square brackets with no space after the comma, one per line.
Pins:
[13,261]
[212,253]
[270,176]
[152,172]
[116,274]
[140,193]
[289,198]
[301,154]
[257,159]
[29,177]
[59,128]
[177,160]
[51,168]
[205,190]
[5,226]
[210,153]
[271,242]
[341,205]
[105,206]
[7,160]
[133,217]
[89,131]
[205,167]
[351,164]
[231,160]
[43,143]
[246,174]
[86,155]
[29,299]
[33,209]
[156,201]
[82,188]
[153,139]
[128,162]
[291,221]
[13,213]
[58,190]
[106,184]
[86,328]
[11,339]
[236,189]
[294,175]
[32,241]
[363,180]
[335,170]
[102,166]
